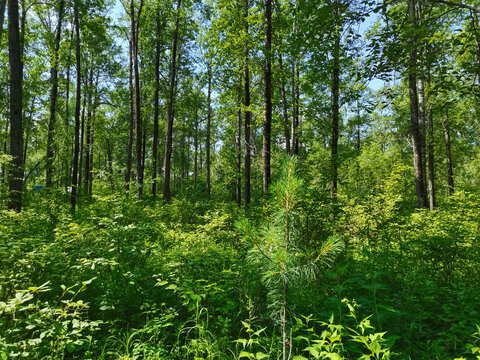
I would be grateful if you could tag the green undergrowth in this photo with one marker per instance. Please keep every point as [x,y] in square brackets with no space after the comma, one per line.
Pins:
[124,279]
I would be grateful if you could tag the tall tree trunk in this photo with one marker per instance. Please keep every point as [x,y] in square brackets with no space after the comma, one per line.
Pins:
[422,124]
[53,98]
[414,122]
[128,172]
[238,145]
[110,163]
[209,125]
[138,118]
[267,116]
[169,135]
[431,154]
[446,128]
[195,144]
[67,110]
[86,89]
[73,198]
[246,99]
[286,125]
[155,112]
[16,121]
[335,107]
[88,133]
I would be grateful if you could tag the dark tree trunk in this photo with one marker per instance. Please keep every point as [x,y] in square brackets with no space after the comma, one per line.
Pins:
[414,122]
[446,128]
[238,145]
[16,121]
[53,98]
[422,125]
[195,143]
[286,125]
[67,111]
[246,79]
[128,172]
[73,198]
[431,162]
[335,108]
[110,163]
[169,135]
[155,113]
[209,125]
[138,118]
[267,116]
[88,134]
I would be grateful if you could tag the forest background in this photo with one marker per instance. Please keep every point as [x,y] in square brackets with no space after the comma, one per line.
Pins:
[198,179]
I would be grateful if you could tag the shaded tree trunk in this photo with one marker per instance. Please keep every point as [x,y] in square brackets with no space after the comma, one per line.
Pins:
[128,172]
[110,163]
[138,118]
[335,108]
[267,116]
[446,129]
[169,136]
[195,144]
[73,198]
[238,145]
[246,99]
[155,113]
[15,181]
[88,136]
[431,155]
[53,98]
[209,125]
[414,121]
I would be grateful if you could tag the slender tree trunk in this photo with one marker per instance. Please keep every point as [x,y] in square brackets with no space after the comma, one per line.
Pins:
[422,125]
[110,163]
[446,129]
[156,112]
[138,118]
[238,192]
[195,144]
[169,135]
[267,116]
[16,121]
[53,98]
[431,154]
[128,172]
[67,112]
[335,107]
[73,198]
[286,125]
[414,122]
[88,132]
[246,79]
[209,125]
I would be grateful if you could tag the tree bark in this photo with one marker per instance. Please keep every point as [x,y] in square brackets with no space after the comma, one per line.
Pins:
[138,117]
[88,133]
[110,163]
[246,79]
[73,198]
[267,116]
[431,162]
[128,172]
[16,121]
[209,125]
[238,145]
[195,144]
[446,129]
[155,113]
[335,107]
[169,135]
[53,98]
[414,114]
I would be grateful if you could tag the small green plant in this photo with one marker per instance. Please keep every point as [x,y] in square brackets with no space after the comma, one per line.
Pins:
[275,250]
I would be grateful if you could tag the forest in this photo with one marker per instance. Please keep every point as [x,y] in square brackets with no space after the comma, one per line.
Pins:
[240,179]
